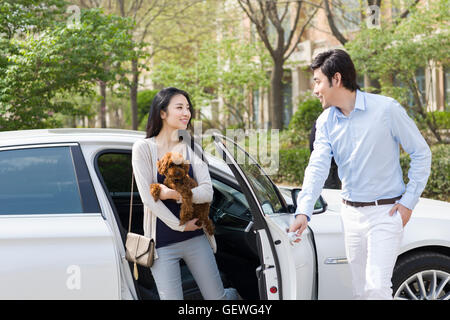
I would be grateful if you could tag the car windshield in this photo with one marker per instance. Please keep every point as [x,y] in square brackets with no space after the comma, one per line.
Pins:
[264,189]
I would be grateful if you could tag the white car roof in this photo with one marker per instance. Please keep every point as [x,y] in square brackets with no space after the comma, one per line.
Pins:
[86,136]
[10,138]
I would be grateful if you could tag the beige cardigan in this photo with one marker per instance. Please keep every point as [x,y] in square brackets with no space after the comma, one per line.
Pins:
[144,157]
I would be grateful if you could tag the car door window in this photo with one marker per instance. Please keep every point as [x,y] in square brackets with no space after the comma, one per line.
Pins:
[265,191]
[38,181]
[229,206]
[114,170]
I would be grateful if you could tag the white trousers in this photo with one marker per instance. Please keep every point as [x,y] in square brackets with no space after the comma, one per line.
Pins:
[372,241]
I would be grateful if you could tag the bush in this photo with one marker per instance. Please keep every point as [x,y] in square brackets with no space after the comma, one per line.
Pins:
[438,185]
[308,111]
[292,164]
[442,119]
[294,161]
[144,100]
[299,129]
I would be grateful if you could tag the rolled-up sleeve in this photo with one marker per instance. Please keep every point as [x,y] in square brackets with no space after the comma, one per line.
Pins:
[408,135]
[316,172]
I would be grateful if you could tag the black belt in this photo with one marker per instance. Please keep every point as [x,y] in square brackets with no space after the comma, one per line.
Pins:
[374,203]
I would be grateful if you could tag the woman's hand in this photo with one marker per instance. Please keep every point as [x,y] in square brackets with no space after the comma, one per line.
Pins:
[191,226]
[167,193]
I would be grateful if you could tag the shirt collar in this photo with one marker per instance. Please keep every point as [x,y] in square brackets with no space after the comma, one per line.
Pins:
[360,104]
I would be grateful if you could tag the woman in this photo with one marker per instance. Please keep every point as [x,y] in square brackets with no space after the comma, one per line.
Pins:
[171,111]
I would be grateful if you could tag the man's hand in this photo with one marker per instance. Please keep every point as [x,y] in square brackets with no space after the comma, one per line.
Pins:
[299,225]
[404,212]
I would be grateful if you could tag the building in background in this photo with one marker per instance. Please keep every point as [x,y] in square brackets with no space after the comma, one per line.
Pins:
[434,81]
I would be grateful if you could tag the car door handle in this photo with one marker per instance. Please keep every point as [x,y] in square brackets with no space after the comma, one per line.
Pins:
[249,226]
[336,260]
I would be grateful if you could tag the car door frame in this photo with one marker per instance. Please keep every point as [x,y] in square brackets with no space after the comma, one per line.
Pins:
[120,227]
[259,226]
[90,210]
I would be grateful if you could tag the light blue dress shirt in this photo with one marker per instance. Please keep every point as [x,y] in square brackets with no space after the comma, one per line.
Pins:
[365,146]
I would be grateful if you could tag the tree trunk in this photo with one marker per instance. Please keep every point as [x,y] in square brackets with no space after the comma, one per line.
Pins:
[102,85]
[421,109]
[276,96]
[133,94]
[373,83]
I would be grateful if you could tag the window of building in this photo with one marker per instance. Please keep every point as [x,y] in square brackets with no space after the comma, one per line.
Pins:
[347,14]
[420,80]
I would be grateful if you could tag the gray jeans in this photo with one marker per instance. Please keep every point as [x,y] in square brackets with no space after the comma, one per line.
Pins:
[199,258]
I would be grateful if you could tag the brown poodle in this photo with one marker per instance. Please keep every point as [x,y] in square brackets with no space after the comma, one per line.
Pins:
[176,171]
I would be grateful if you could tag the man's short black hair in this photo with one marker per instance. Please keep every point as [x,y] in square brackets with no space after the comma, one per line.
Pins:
[337,60]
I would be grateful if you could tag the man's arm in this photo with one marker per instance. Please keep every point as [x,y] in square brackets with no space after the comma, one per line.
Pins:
[406,133]
[315,175]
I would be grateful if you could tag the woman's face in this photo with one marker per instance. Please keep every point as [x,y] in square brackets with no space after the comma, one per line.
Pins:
[178,113]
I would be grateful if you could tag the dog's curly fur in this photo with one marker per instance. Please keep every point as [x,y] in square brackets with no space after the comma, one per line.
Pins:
[176,171]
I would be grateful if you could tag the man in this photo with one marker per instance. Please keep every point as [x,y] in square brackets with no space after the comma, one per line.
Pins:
[362,132]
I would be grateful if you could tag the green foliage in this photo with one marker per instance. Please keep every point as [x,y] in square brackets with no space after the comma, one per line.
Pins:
[438,185]
[17,17]
[39,70]
[144,101]
[393,53]
[292,165]
[229,69]
[442,119]
[297,135]
[308,111]
[293,162]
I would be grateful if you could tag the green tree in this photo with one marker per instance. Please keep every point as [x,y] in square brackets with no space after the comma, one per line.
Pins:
[229,69]
[280,26]
[393,53]
[49,61]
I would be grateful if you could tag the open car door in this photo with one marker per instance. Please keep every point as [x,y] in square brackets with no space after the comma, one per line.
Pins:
[287,269]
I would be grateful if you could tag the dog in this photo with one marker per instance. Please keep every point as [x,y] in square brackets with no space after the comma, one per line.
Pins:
[176,171]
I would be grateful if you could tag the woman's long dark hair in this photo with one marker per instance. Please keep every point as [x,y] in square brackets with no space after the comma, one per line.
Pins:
[160,102]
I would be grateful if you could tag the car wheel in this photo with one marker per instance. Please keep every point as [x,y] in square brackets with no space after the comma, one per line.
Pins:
[422,276]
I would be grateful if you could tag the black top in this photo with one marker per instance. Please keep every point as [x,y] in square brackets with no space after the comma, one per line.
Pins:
[164,234]
[333,181]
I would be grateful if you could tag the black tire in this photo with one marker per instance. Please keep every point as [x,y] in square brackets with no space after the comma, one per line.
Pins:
[412,265]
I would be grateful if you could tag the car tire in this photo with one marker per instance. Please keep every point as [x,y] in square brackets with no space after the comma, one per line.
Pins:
[422,276]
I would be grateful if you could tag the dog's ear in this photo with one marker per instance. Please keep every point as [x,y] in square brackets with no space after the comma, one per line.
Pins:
[159,166]
[186,167]
[163,163]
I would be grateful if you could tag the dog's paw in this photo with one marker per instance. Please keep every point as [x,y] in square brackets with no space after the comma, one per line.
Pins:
[155,191]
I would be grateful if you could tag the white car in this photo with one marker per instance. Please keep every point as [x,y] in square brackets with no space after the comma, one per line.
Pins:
[64,217]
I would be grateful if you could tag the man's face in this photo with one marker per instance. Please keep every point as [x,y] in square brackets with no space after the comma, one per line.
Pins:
[323,89]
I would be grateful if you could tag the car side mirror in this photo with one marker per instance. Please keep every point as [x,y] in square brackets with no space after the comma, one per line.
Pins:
[319,207]
[294,195]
